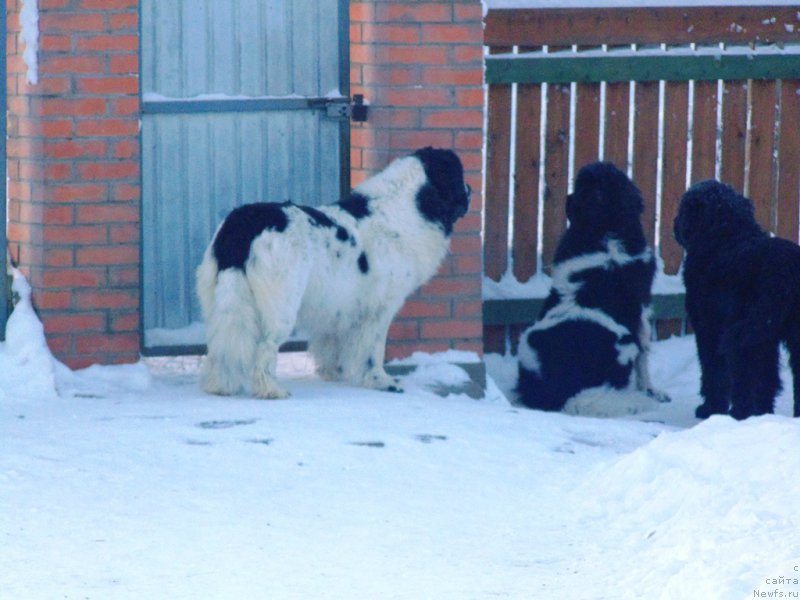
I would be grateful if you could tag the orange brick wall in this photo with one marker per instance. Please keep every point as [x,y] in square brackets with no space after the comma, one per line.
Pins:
[74,176]
[419,66]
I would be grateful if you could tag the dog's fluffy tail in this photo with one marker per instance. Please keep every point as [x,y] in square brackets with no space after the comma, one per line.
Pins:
[231,326]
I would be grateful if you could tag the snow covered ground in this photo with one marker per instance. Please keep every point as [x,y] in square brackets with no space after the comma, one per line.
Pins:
[129,483]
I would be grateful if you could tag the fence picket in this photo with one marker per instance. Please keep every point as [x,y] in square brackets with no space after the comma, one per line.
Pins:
[676,123]
[704,131]
[734,133]
[556,165]
[526,181]
[498,156]
[587,123]
[645,151]
[789,165]
[761,172]
[617,124]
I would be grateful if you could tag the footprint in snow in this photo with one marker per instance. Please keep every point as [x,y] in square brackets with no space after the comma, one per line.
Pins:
[225,424]
[427,438]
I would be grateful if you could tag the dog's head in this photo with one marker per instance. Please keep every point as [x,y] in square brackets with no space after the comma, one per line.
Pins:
[604,198]
[711,207]
[444,198]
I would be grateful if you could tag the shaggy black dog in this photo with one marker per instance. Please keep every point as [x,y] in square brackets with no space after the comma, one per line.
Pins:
[593,330]
[742,298]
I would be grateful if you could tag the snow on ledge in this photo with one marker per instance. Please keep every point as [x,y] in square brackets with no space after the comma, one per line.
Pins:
[29,35]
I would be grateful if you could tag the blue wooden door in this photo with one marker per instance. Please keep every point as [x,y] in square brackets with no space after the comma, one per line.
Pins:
[243,101]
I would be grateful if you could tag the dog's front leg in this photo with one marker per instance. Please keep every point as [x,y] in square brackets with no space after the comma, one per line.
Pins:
[363,364]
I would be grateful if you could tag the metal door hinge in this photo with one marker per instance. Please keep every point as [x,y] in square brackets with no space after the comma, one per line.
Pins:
[346,108]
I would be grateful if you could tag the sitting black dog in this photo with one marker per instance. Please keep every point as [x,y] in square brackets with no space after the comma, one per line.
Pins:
[593,330]
[742,298]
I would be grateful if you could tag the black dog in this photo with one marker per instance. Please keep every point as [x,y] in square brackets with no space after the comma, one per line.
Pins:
[593,329]
[742,298]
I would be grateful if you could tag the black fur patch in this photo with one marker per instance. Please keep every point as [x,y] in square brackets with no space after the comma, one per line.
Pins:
[444,199]
[363,263]
[318,218]
[241,227]
[357,205]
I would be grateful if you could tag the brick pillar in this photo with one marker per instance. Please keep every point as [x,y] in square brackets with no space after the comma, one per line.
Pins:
[420,68]
[74,196]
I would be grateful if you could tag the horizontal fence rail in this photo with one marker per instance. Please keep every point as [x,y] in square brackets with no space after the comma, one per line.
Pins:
[672,95]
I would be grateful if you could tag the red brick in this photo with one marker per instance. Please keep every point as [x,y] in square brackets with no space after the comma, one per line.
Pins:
[108,127]
[128,63]
[73,64]
[453,328]
[411,140]
[126,106]
[124,276]
[470,97]
[453,286]
[391,75]
[124,234]
[122,343]
[469,308]
[75,149]
[452,34]
[109,85]
[77,108]
[415,55]
[361,11]
[122,192]
[468,54]
[74,278]
[69,22]
[107,255]
[124,21]
[403,329]
[59,257]
[126,149]
[452,76]
[108,43]
[57,128]
[57,215]
[55,43]
[109,4]
[452,119]
[70,192]
[73,235]
[105,299]
[68,323]
[108,213]
[416,12]
[391,34]
[49,300]
[423,307]
[57,172]
[127,322]
[417,97]
[113,170]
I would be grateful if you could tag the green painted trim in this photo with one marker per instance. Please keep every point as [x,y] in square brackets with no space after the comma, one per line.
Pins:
[646,65]
[525,311]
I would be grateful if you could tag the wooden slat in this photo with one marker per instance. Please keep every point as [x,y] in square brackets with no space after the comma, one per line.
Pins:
[617,124]
[789,160]
[587,124]
[556,155]
[734,133]
[704,131]
[526,181]
[680,25]
[498,156]
[645,151]
[676,124]
[761,186]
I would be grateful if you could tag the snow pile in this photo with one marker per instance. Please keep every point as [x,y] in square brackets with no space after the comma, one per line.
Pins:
[712,511]
[27,369]
[29,35]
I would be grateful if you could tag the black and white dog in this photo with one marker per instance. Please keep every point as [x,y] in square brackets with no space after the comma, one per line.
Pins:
[742,299]
[593,330]
[339,272]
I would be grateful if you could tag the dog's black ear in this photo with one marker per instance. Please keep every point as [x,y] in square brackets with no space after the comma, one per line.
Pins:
[445,197]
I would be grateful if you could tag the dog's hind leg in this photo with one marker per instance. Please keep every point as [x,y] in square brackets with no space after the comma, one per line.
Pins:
[278,294]
[756,380]
[793,346]
[715,384]
[231,330]
[642,363]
